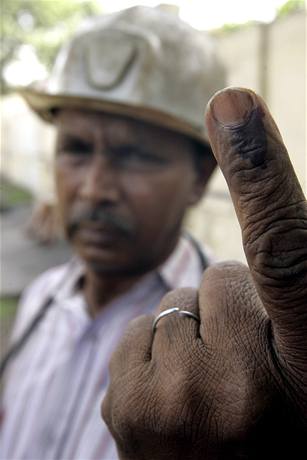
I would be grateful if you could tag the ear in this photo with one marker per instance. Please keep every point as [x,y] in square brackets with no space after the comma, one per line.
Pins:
[205,165]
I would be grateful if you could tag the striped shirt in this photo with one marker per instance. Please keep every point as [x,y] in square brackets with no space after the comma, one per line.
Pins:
[55,385]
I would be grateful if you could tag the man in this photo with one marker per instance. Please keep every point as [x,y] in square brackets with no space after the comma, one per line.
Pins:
[127,98]
[226,378]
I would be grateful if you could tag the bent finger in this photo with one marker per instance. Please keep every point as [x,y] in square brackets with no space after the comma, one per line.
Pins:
[175,333]
[134,347]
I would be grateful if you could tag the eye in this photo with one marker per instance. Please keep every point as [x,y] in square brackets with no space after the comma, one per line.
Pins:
[74,146]
[135,156]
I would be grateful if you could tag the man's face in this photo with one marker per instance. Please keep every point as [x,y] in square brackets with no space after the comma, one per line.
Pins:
[123,188]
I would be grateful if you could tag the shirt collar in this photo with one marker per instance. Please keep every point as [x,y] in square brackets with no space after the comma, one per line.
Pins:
[183,268]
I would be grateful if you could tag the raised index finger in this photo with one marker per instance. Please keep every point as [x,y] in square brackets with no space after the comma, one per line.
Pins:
[269,203]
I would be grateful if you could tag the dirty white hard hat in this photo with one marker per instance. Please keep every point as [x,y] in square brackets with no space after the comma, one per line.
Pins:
[141,62]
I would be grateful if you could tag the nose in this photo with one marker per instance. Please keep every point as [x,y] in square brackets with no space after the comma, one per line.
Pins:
[100,182]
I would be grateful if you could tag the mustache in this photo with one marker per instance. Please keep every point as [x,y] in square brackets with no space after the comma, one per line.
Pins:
[102,216]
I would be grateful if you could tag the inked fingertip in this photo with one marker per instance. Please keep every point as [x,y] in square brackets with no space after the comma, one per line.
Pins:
[231,107]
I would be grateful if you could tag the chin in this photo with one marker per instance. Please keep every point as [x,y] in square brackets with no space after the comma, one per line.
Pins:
[120,263]
[127,270]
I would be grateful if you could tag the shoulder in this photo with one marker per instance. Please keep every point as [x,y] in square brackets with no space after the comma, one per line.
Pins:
[44,284]
[46,281]
[36,294]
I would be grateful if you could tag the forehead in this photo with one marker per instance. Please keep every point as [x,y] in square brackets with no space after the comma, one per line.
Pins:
[93,124]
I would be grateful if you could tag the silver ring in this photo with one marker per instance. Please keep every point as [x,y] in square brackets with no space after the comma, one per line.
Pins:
[169,311]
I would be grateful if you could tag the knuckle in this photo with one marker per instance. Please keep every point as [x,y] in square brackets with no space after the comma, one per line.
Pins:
[277,252]
[224,270]
[185,407]
[104,410]
[182,298]
[258,185]
[125,411]
[180,390]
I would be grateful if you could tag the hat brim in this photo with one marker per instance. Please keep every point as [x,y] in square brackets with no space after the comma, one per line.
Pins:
[45,105]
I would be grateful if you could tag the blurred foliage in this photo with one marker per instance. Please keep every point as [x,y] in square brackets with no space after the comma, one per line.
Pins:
[290,6]
[46,24]
[43,24]
[231,27]
[8,307]
[12,195]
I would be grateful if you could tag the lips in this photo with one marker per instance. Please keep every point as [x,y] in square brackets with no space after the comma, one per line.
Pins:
[98,235]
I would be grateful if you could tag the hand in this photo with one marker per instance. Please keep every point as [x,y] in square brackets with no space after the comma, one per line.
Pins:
[235,386]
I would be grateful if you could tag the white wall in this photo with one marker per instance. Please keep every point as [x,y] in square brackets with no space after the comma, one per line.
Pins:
[26,147]
[271,60]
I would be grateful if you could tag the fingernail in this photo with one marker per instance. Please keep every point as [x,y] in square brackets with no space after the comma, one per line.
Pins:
[232,107]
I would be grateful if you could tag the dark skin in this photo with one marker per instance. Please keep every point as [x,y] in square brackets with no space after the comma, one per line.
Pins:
[235,385]
[121,196]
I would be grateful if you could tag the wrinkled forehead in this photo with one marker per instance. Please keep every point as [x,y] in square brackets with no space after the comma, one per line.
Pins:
[91,124]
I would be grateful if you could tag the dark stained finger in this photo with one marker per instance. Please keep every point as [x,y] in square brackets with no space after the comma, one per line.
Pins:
[269,203]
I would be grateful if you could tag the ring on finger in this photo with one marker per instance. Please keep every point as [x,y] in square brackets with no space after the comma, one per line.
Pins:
[170,311]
